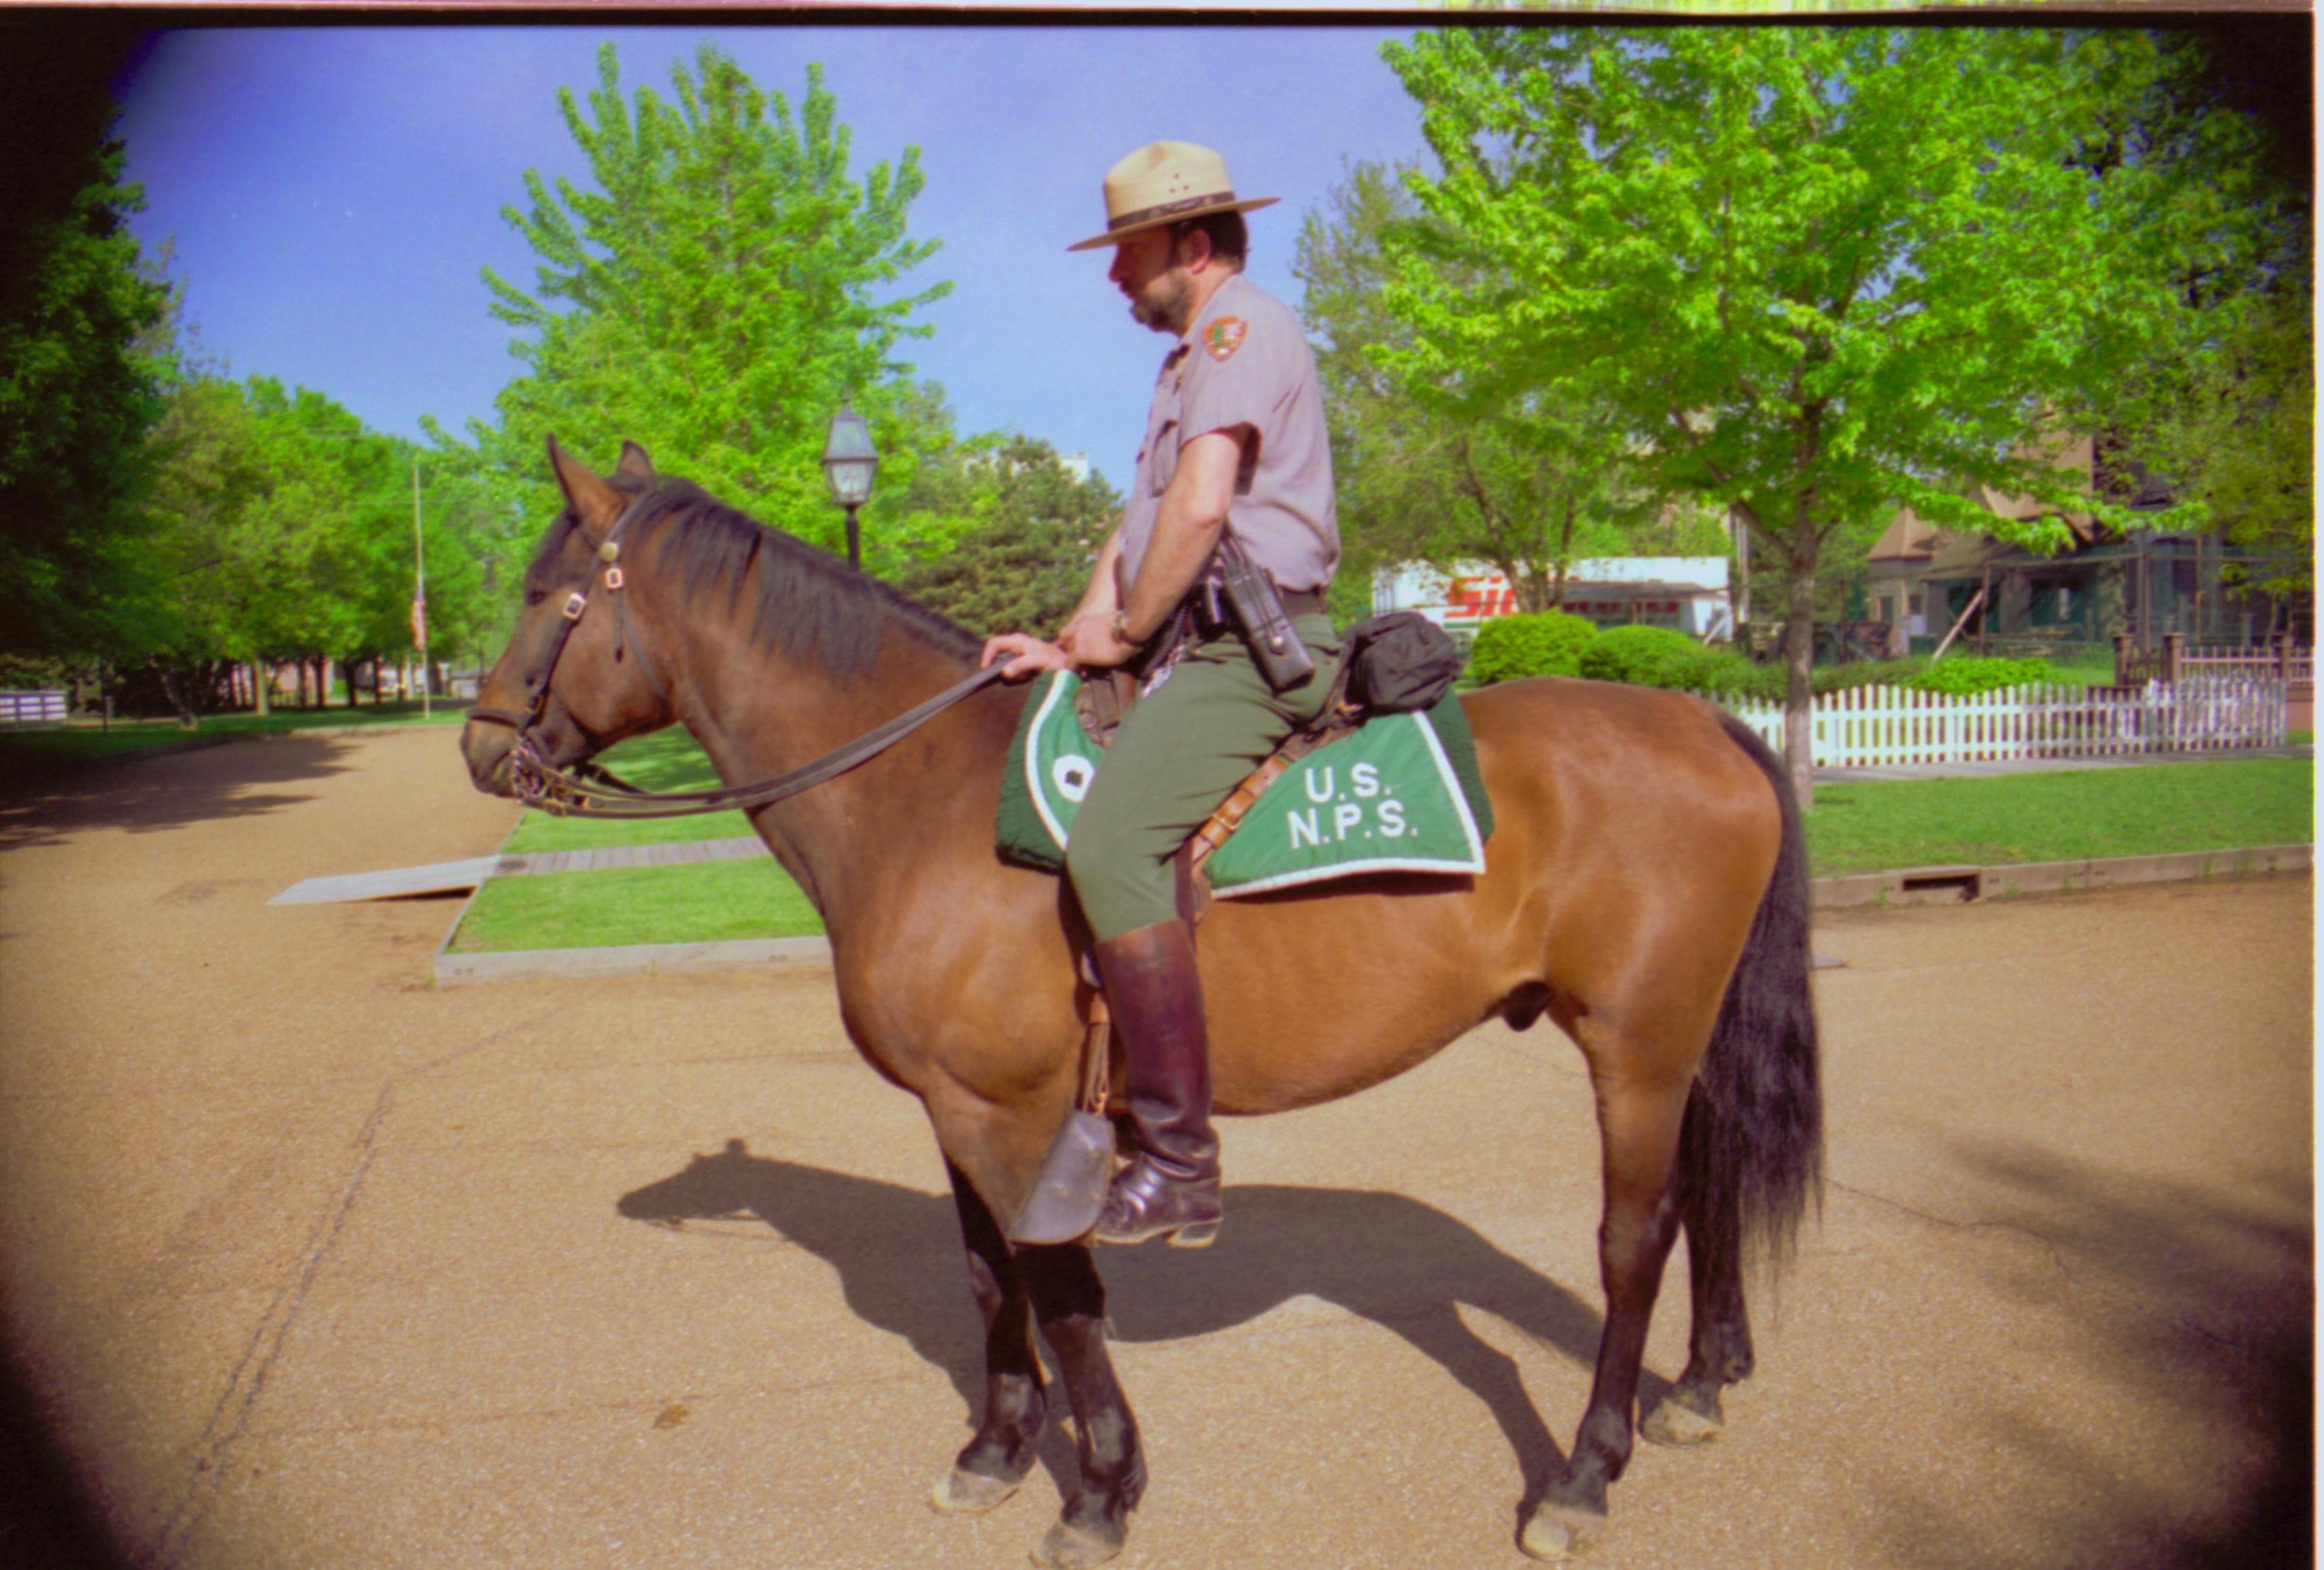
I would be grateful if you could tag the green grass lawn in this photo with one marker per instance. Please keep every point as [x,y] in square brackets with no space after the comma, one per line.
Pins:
[2148,810]
[699,903]
[703,902]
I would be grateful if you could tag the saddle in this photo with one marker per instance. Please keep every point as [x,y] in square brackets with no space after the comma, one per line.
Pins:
[1101,704]
[1385,781]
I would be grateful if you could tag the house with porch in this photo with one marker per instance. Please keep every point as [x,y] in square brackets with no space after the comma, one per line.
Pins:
[1925,583]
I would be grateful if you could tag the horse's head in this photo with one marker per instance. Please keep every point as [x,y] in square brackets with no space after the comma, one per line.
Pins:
[570,680]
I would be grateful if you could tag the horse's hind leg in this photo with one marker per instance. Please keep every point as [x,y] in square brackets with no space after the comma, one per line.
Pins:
[1069,1300]
[1719,1351]
[1638,1123]
[1008,1436]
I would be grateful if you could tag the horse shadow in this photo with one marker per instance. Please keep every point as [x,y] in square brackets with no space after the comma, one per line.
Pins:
[1384,1257]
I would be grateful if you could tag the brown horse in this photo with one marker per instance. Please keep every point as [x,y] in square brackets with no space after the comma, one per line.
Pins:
[1646,888]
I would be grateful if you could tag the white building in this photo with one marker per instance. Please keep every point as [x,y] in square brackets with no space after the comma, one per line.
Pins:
[1689,593]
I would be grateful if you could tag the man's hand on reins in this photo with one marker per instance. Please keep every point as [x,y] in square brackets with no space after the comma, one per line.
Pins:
[1029,655]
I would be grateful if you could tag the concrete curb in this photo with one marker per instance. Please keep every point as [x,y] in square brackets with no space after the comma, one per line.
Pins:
[1889,890]
[1959,884]
[640,960]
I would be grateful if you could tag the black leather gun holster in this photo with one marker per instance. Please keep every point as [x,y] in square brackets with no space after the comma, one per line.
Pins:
[1258,613]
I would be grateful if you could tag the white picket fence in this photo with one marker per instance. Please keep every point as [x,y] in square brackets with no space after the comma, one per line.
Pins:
[32,708]
[1868,726]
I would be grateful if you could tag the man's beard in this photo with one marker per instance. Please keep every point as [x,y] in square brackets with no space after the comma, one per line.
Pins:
[1163,306]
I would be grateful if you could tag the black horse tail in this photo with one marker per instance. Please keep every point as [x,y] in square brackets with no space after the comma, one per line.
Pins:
[1751,1147]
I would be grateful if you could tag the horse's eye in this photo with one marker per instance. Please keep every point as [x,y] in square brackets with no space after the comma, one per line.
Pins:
[533,597]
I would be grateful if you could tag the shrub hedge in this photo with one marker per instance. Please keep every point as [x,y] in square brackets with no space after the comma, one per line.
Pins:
[1541,643]
[1556,643]
[1960,677]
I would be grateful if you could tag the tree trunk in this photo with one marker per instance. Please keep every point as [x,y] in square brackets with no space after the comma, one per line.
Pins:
[258,684]
[175,690]
[1799,660]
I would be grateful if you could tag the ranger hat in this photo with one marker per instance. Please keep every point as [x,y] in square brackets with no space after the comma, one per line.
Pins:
[1166,182]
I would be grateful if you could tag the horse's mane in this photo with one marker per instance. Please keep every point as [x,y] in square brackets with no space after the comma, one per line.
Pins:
[806,603]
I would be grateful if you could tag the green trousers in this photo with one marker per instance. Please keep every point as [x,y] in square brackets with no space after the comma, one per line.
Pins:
[1181,750]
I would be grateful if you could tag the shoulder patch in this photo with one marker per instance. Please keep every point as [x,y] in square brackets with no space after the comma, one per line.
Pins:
[1223,336]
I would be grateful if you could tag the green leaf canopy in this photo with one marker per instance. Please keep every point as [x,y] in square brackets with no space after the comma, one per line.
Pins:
[718,292]
[1821,271]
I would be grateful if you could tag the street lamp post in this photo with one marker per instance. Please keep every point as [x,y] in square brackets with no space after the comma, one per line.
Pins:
[849,462]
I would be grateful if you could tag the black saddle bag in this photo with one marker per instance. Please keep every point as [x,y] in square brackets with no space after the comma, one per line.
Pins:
[1400,663]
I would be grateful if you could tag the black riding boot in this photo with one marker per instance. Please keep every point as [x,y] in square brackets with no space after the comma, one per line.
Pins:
[1171,1184]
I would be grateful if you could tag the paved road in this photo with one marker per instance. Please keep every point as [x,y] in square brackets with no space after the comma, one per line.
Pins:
[308,1264]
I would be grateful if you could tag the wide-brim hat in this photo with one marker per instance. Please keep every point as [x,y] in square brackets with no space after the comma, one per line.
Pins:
[1166,182]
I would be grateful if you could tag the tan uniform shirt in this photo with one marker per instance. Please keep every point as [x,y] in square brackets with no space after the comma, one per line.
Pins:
[1245,363]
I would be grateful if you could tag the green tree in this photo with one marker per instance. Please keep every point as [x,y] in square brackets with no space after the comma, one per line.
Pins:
[713,298]
[1025,558]
[1820,272]
[285,530]
[1441,467]
[2234,433]
[80,385]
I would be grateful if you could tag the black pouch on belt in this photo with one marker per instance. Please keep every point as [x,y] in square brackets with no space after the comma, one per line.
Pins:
[1258,611]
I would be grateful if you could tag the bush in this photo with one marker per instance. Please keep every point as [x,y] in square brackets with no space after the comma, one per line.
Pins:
[1960,678]
[1543,643]
[1723,671]
[1866,673]
[1644,657]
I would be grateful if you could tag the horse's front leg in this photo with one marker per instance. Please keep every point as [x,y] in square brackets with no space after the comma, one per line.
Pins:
[1008,1436]
[1638,1124]
[1069,1300]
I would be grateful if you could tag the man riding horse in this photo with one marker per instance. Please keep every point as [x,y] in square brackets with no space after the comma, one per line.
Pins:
[1235,458]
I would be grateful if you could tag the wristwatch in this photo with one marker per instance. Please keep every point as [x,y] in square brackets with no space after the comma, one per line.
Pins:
[1120,627]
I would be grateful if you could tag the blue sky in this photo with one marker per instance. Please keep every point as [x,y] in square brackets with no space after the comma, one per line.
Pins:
[332,193]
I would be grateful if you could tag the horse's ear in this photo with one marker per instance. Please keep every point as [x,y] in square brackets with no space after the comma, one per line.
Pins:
[595,504]
[634,462]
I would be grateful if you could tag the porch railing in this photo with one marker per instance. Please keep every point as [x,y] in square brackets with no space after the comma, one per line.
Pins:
[2278,658]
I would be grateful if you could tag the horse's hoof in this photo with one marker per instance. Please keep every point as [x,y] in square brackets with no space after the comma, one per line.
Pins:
[962,1493]
[1676,1423]
[1561,1532]
[1068,1548]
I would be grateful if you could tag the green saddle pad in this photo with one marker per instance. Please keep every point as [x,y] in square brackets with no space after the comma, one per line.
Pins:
[1402,795]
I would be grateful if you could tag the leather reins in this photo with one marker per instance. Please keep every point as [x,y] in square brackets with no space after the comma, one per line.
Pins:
[593,792]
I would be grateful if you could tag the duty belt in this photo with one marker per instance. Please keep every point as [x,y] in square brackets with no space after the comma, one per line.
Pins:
[1212,619]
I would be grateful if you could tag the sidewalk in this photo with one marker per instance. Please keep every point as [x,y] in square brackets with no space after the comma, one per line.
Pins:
[2047,765]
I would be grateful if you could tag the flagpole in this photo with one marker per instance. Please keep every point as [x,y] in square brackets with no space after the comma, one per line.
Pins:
[419,594]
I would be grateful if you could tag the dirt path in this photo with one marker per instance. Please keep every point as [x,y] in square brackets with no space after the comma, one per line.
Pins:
[308,1263]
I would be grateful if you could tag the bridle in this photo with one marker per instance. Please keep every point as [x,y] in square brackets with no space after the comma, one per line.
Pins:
[589,791]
